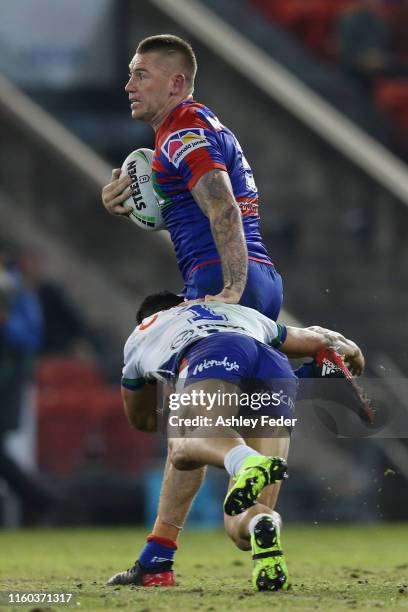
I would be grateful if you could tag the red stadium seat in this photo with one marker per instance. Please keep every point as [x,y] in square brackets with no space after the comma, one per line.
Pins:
[80,416]
[391,95]
[67,371]
[124,447]
[403,117]
[64,429]
[312,21]
[66,422]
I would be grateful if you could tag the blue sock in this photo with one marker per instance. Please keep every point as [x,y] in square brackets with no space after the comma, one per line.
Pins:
[158,554]
[305,371]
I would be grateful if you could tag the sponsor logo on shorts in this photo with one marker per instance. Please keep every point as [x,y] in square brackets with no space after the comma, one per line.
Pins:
[229,366]
[181,143]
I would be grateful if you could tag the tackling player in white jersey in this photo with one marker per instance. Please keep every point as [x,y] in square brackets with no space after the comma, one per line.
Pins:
[212,349]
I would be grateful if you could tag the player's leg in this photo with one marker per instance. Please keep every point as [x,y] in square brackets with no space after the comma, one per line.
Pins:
[172,511]
[202,440]
[259,528]
[155,562]
[158,554]
[154,565]
[237,526]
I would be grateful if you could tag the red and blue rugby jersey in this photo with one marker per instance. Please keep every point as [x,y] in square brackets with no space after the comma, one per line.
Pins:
[190,143]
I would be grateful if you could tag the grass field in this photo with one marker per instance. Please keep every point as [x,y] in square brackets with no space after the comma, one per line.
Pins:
[332,568]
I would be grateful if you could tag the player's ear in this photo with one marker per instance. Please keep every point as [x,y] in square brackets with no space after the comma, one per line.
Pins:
[179,82]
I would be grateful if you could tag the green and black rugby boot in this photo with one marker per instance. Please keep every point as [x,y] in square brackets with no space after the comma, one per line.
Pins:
[256,473]
[270,572]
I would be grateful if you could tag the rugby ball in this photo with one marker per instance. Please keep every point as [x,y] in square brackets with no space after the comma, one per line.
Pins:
[143,200]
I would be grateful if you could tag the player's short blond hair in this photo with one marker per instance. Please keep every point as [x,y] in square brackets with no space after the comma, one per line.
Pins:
[168,45]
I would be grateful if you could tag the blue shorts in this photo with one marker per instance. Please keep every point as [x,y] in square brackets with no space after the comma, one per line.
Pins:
[263,291]
[245,362]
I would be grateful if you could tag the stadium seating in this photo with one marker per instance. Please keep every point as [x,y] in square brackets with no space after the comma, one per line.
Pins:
[67,371]
[391,95]
[310,20]
[80,419]
[313,22]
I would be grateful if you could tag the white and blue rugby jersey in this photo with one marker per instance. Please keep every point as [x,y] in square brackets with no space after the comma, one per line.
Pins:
[165,334]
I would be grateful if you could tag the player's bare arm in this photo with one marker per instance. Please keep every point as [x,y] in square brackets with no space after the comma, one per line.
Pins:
[309,341]
[115,193]
[213,194]
[140,407]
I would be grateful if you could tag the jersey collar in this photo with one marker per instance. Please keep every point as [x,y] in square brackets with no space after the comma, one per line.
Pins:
[172,113]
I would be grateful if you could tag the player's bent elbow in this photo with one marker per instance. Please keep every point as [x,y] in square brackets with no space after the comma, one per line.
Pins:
[142,420]
[140,410]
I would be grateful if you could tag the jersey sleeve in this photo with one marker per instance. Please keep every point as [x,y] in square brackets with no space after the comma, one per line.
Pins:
[278,333]
[194,150]
[131,376]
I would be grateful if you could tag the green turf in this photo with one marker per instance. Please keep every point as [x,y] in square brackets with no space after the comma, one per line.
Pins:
[332,568]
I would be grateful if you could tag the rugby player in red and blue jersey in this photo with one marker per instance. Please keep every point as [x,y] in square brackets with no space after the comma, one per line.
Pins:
[206,187]
[210,204]
[188,164]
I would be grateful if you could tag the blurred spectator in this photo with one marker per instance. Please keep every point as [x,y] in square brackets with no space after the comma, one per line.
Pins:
[21,327]
[65,330]
[8,286]
[363,41]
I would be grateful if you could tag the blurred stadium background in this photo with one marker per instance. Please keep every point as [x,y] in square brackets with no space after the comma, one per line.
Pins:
[317,93]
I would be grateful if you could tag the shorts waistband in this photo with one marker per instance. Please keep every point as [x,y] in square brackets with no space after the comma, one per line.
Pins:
[211,262]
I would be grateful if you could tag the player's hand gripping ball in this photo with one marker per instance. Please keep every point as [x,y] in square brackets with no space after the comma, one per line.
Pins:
[143,200]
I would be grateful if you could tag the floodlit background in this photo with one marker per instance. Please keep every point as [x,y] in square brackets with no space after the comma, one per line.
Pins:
[317,93]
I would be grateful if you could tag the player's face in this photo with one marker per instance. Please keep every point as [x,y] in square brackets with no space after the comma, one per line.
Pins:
[149,86]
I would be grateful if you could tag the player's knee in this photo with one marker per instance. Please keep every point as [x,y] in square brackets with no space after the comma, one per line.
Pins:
[179,461]
[178,456]
[175,453]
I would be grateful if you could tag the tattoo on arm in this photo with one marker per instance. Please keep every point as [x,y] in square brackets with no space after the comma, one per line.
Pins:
[213,194]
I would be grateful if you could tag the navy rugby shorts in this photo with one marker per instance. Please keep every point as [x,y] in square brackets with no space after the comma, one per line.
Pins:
[247,363]
[263,291]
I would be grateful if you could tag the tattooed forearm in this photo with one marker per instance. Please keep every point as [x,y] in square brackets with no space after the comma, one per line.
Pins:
[226,227]
[213,194]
